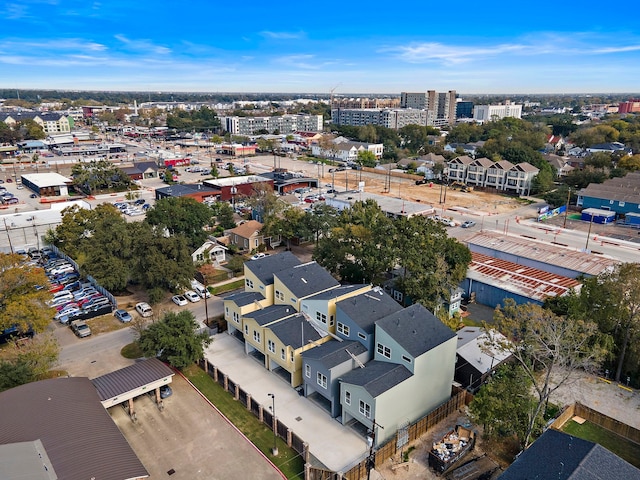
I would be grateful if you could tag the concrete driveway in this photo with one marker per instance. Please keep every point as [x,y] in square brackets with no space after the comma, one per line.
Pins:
[189,436]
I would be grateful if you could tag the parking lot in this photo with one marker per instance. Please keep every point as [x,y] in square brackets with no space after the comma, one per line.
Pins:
[190,439]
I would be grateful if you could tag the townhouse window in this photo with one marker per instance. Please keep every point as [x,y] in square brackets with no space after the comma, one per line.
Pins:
[246,329]
[343,329]
[384,350]
[236,317]
[347,398]
[307,370]
[293,300]
[621,204]
[321,317]
[331,320]
[279,295]
[226,312]
[362,336]
[271,346]
[283,356]
[397,296]
[291,356]
[322,380]
[256,336]
[364,409]
[248,283]
[406,359]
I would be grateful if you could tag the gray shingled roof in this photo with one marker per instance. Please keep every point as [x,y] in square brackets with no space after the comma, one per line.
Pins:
[66,415]
[271,314]
[377,377]
[416,329]
[292,330]
[130,378]
[245,298]
[337,292]
[334,352]
[306,279]
[367,308]
[559,456]
[266,267]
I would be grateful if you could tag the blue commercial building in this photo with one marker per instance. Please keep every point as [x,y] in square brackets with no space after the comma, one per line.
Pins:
[619,195]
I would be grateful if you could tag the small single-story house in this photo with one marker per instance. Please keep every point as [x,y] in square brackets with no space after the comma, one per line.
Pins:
[477,356]
[210,252]
[246,236]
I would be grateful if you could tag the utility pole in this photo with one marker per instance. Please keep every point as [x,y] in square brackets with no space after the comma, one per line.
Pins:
[371,438]
[566,212]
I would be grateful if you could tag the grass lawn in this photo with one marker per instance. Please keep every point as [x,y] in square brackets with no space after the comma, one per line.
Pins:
[288,461]
[227,287]
[620,446]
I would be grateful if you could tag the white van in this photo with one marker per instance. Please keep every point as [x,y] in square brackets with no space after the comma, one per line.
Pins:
[200,289]
[144,309]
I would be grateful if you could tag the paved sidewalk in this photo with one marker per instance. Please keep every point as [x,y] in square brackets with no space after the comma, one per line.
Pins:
[333,444]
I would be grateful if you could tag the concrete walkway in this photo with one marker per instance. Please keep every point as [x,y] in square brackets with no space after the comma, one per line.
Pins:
[336,446]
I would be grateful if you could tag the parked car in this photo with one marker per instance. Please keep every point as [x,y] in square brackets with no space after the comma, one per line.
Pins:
[80,328]
[259,255]
[33,195]
[191,296]
[468,224]
[165,391]
[179,300]
[144,309]
[139,201]
[122,315]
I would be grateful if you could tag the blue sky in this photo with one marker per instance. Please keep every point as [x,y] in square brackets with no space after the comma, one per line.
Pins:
[354,46]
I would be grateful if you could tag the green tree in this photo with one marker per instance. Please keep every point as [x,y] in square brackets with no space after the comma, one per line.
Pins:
[223,212]
[550,348]
[181,215]
[366,158]
[99,175]
[320,219]
[21,304]
[159,260]
[39,355]
[504,405]
[30,130]
[611,299]
[174,339]
[630,163]
[14,374]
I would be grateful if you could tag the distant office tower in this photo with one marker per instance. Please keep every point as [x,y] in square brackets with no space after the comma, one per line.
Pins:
[440,107]
[464,110]
[488,113]
[631,106]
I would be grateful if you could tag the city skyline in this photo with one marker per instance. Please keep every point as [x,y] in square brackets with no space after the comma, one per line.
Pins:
[306,48]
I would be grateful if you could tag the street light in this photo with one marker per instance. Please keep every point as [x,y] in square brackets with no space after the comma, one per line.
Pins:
[274,450]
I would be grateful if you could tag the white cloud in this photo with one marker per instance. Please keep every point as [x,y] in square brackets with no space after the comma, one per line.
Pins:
[144,46]
[282,35]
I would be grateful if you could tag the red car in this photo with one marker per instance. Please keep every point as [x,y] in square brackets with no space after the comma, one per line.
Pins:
[309,200]
[55,287]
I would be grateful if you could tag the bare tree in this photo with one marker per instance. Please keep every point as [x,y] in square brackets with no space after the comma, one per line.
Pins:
[547,346]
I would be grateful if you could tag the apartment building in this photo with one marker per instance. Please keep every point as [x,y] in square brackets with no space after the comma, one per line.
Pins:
[283,124]
[389,118]
[440,106]
[488,113]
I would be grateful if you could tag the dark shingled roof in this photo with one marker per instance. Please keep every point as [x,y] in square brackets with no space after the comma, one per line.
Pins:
[291,330]
[377,377]
[336,292]
[306,279]
[79,436]
[245,298]
[334,352]
[271,314]
[367,308]
[416,329]
[130,378]
[266,267]
[558,456]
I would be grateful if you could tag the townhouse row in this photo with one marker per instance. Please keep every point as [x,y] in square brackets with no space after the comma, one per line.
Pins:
[502,175]
[351,349]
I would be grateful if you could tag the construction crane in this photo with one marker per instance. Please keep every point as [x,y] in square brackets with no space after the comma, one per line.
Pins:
[331,95]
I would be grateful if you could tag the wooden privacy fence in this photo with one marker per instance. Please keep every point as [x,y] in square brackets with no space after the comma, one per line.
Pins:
[457,401]
[608,423]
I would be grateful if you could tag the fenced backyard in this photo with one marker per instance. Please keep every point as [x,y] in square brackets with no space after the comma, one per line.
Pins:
[358,470]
